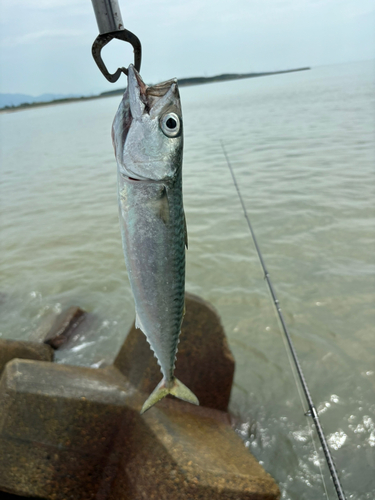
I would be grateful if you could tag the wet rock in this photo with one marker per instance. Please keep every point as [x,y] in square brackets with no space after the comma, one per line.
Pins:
[179,451]
[87,330]
[204,361]
[64,326]
[10,349]
[57,428]
[44,327]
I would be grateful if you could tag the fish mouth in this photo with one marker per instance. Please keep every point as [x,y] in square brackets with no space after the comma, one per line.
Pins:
[150,99]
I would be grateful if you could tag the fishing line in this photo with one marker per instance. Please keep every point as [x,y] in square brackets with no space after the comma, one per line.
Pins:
[312,410]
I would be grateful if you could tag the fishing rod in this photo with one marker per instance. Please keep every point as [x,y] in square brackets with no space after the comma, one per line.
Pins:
[312,410]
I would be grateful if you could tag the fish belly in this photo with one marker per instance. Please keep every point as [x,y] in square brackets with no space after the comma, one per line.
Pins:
[152,228]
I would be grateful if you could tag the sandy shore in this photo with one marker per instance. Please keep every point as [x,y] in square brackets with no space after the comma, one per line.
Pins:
[183,82]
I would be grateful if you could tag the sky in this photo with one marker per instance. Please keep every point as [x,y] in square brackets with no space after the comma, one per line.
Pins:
[45,45]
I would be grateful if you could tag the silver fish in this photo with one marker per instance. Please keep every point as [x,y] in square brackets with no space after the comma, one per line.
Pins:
[148,143]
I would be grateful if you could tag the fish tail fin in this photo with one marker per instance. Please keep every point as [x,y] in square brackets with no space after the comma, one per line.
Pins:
[180,391]
[176,388]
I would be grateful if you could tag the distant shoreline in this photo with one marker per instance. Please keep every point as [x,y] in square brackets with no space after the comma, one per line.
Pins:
[182,82]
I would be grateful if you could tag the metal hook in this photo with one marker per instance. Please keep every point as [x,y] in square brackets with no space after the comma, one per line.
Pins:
[103,39]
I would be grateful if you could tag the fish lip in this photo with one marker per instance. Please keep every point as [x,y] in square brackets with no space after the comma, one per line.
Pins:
[135,80]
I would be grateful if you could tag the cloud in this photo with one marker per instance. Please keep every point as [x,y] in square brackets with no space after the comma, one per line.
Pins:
[43,4]
[180,38]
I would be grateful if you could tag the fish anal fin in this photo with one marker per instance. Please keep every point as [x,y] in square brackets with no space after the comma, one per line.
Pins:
[175,387]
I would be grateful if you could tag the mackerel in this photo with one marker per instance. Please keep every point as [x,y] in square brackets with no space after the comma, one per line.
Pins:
[148,142]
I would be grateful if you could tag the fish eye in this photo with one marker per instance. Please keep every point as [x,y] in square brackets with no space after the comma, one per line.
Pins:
[170,124]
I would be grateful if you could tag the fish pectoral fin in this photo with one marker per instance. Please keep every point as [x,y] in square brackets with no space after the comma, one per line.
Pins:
[160,206]
[176,388]
[164,206]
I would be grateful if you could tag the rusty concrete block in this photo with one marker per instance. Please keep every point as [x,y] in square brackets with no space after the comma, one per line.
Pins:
[178,451]
[64,326]
[57,427]
[10,349]
[204,361]
[73,432]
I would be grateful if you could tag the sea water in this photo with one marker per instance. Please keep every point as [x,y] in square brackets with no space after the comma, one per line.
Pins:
[302,146]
